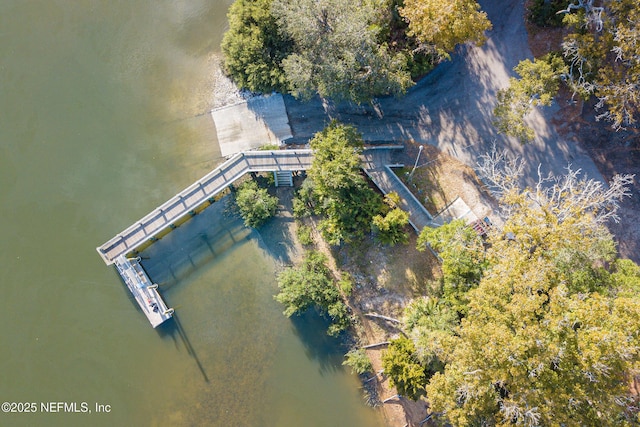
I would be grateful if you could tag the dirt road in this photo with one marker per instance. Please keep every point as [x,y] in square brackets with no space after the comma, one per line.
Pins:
[451,107]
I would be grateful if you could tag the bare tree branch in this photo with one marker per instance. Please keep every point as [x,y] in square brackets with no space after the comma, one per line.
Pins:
[500,173]
[571,195]
[593,13]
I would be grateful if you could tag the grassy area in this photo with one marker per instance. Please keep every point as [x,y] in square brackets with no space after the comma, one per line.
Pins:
[439,179]
[387,277]
[426,186]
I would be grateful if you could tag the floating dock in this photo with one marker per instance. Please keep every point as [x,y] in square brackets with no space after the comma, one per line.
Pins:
[143,290]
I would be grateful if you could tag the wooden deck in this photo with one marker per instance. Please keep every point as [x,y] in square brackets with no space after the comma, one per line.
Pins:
[200,194]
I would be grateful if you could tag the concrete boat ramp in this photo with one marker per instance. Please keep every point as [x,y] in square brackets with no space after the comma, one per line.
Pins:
[252,123]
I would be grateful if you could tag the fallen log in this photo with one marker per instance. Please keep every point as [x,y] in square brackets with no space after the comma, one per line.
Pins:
[378,344]
[380,316]
[374,376]
[397,396]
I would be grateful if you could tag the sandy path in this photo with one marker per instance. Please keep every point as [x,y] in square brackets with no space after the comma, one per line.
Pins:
[451,108]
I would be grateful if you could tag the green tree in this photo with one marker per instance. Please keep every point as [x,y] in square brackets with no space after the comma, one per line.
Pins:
[602,55]
[358,360]
[390,228]
[443,24]
[340,192]
[539,82]
[305,200]
[255,204]
[311,285]
[549,337]
[254,48]
[430,323]
[337,54]
[463,259]
[403,368]
[625,278]
[533,353]
[617,85]
[544,13]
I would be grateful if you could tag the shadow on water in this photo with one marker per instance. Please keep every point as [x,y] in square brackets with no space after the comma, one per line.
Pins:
[182,252]
[310,327]
[275,236]
[193,245]
[169,268]
[173,328]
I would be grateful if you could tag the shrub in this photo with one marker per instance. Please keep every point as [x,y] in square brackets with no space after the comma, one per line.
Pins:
[311,285]
[254,48]
[269,147]
[391,228]
[358,361]
[255,204]
[346,283]
[544,12]
[304,234]
[304,200]
[404,370]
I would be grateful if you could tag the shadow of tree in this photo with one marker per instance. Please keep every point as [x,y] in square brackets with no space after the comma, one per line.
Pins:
[310,328]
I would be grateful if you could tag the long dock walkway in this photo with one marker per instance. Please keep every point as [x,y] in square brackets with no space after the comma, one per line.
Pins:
[201,193]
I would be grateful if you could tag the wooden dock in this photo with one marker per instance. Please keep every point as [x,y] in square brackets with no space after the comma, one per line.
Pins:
[198,195]
[122,249]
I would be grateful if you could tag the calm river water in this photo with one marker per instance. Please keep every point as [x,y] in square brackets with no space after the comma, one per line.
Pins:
[99,123]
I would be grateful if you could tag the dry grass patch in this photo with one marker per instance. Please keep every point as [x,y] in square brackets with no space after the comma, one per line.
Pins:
[439,179]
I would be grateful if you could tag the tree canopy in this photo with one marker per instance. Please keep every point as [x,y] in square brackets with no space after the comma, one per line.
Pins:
[343,50]
[401,364]
[339,189]
[539,82]
[253,47]
[602,59]
[311,285]
[255,204]
[390,228]
[358,361]
[463,259]
[336,52]
[549,335]
[443,24]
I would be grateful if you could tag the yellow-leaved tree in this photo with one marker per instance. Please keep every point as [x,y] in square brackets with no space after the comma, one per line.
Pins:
[443,24]
[551,333]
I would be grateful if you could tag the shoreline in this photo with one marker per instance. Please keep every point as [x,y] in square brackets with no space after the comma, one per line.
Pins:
[280,239]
